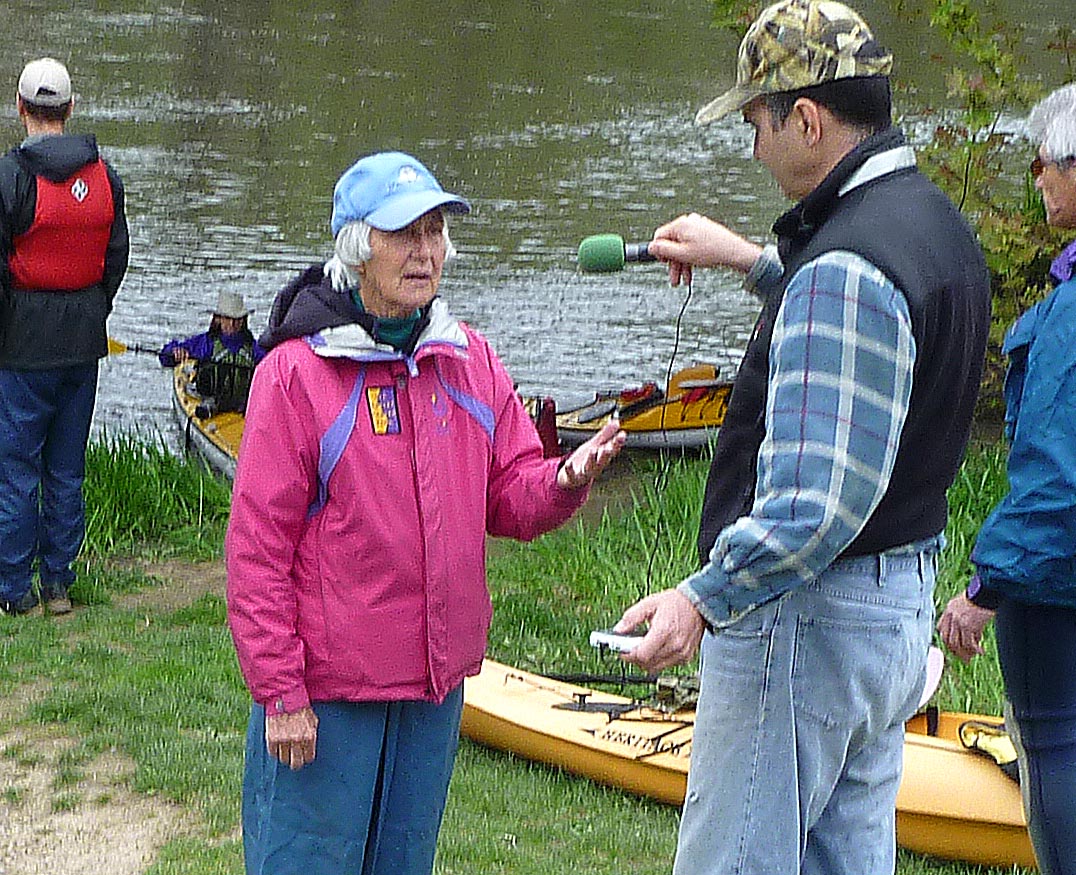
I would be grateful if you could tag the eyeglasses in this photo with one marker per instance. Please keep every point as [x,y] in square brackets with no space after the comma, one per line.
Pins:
[1039,164]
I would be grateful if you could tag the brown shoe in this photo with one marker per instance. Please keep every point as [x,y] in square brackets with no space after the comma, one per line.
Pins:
[59,605]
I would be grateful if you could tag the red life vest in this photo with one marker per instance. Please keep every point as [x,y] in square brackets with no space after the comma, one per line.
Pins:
[64,248]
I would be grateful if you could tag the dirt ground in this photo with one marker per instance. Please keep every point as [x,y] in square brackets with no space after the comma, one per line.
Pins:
[96,825]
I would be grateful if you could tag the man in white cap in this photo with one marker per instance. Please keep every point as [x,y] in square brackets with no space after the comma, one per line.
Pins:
[63,254]
[826,501]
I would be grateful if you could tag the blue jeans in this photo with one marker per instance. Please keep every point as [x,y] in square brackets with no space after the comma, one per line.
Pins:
[1037,652]
[44,426]
[370,803]
[799,730]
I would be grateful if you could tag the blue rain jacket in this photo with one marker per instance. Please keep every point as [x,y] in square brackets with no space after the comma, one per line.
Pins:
[1026,549]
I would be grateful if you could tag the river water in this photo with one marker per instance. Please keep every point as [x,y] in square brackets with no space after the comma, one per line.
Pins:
[230,123]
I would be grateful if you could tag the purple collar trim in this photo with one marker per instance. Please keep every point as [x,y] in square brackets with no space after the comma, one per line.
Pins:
[1064,266]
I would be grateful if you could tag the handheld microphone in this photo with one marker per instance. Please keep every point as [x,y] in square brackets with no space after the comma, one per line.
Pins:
[604,253]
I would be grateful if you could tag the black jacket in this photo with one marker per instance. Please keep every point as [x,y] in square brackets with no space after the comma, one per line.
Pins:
[44,329]
[309,304]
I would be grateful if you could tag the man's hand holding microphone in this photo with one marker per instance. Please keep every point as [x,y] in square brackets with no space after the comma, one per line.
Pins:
[686,242]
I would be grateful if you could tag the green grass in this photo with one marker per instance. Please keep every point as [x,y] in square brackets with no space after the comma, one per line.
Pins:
[141,496]
[548,595]
[507,815]
[979,485]
[161,686]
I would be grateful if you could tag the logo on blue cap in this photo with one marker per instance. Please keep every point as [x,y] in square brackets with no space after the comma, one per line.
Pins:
[388,191]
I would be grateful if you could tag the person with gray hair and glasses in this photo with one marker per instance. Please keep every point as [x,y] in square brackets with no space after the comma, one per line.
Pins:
[1025,554]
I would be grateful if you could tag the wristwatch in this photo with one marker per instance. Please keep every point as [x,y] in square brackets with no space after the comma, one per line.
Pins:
[980,596]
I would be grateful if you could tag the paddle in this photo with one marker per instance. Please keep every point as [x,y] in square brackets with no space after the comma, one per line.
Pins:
[116,347]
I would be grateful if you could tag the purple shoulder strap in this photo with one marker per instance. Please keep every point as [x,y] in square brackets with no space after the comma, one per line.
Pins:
[481,412]
[334,441]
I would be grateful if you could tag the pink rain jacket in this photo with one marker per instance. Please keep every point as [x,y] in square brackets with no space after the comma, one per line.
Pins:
[369,584]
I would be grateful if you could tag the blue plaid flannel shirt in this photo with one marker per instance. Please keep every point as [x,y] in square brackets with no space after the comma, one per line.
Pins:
[840,379]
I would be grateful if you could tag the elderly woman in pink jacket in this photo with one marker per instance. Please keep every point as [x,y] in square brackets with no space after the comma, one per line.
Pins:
[384,440]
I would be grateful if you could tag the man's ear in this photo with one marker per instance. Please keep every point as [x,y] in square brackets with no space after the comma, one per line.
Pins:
[808,118]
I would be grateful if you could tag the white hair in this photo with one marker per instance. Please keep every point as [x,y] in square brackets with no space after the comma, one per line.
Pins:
[352,248]
[1052,123]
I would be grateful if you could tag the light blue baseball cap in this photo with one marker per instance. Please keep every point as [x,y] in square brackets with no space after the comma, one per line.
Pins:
[389,190]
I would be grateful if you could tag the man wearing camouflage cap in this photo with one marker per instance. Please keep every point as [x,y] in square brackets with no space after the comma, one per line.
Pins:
[826,500]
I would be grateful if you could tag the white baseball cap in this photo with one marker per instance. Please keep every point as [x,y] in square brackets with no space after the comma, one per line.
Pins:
[45,82]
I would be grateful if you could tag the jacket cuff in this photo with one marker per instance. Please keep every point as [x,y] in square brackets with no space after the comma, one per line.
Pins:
[685,589]
[765,274]
[287,703]
[980,596]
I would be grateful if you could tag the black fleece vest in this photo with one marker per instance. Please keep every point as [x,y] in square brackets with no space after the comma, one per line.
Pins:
[908,229]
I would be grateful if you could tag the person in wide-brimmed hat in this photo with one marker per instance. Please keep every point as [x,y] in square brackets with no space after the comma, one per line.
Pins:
[384,440]
[226,352]
[228,326]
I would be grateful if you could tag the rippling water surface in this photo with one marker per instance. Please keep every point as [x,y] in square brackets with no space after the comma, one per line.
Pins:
[230,123]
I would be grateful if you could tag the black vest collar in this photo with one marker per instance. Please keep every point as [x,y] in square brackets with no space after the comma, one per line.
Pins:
[798,225]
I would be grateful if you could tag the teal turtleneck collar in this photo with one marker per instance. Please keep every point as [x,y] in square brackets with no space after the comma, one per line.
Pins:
[397,332]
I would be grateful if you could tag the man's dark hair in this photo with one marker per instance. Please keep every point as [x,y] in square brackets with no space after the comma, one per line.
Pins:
[48,113]
[862,102]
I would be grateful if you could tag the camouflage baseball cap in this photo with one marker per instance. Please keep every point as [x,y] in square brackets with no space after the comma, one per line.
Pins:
[796,44]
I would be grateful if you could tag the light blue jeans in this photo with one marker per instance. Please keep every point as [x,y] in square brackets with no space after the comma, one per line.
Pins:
[799,732]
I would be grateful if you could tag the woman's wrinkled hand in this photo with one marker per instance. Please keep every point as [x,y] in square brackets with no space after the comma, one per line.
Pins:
[591,458]
[292,738]
[961,627]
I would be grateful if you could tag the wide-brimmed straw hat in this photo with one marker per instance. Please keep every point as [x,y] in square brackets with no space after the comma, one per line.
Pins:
[232,305]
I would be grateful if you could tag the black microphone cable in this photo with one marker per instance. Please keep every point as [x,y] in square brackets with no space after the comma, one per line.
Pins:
[661,480]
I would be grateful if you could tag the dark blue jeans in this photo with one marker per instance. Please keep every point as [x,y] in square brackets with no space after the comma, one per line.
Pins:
[369,804]
[44,425]
[1037,651]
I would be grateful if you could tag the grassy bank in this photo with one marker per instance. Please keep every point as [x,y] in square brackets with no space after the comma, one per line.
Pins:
[159,684]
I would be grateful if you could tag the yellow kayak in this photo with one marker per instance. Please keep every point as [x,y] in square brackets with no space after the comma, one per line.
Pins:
[686,414]
[952,803]
[214,436]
